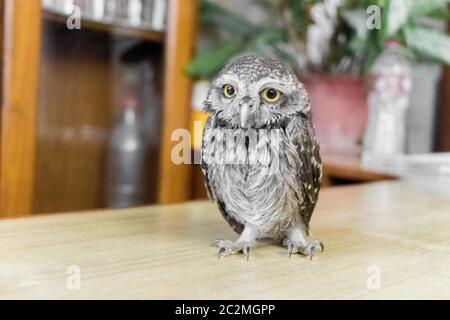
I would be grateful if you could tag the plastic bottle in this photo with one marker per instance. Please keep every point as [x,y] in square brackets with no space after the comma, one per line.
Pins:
[388,100]
[126,160]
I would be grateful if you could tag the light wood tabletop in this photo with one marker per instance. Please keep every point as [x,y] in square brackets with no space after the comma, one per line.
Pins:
[382,240]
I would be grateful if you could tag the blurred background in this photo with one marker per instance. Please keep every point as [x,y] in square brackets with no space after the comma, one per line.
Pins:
[92,91]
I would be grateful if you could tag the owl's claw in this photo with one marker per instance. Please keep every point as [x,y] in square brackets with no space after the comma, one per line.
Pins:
[227,247]
[291,248]
[221,252]
[308,249]
[246,251]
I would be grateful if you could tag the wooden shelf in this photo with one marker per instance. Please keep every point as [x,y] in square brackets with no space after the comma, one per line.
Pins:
[144,34]
[348,168]
[89,66]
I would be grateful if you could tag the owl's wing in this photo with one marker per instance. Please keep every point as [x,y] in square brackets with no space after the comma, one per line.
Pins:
[207,154]
[205,159]
[310,169]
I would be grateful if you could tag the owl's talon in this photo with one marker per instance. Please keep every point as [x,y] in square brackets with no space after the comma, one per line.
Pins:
[308,249]
[311,253]
[291,248]
[227,247]
[221,252]
[246,251]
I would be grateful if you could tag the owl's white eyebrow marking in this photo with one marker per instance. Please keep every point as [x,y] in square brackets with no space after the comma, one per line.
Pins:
[227,79]
[270,82]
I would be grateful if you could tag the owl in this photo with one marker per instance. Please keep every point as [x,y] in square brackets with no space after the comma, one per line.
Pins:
[260,156]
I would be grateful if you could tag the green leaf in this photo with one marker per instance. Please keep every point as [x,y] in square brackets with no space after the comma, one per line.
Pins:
[268,37]
[429,42]
[397,14]
[355,45]
[372,49]
[433,8]
[213,60]
[219,17]
[300,15]
[357,20]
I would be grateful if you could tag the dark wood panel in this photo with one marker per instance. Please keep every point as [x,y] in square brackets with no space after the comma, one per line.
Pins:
[444,114]
[138,33]
[82,89]
[74,119]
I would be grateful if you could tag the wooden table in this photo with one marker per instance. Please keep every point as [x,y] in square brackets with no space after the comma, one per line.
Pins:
[383,240]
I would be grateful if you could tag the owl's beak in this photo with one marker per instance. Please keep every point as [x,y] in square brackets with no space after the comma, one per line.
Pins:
[244,114]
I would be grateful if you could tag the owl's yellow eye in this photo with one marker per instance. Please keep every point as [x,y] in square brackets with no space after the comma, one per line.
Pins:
[229,91]
[271,95]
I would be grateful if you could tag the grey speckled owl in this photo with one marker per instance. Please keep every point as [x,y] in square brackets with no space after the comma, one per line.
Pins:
[260,155]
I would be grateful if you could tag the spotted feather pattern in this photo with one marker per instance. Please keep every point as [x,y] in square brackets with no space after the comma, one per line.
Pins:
[278,187]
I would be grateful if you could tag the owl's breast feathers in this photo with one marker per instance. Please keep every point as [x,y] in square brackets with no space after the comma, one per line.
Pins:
[267,177]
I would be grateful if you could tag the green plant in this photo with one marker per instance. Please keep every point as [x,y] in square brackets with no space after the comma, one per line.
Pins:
[240,36]
[404,20]
[351,42]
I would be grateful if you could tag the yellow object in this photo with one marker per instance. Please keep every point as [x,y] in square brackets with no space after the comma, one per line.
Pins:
[199,117]
[198,124]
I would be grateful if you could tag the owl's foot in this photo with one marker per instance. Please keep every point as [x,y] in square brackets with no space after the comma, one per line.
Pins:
[245,243]
[307,248]
[227,247]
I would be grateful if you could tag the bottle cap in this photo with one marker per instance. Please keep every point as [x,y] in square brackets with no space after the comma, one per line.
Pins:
[393,42]
[130,102]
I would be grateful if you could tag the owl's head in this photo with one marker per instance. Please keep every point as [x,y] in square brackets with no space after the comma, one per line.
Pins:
[256,92]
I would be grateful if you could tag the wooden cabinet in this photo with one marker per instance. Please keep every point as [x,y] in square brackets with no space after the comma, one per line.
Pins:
[21,26]
[60,93]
